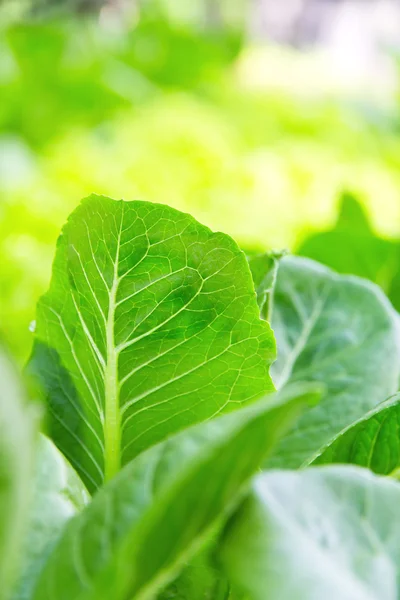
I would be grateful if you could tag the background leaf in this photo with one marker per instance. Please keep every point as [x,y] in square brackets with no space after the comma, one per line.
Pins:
[16,453]
[352,247]
[339,331]
[150,325]
[144,525]
[339,541]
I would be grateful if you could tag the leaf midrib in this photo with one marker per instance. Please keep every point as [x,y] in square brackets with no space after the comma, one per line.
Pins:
[307,328]
[112,422]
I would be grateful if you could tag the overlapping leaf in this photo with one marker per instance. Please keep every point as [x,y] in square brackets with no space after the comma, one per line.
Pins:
[159,510]
[150,325]
[264,270]
[373,441]
[327,532]
[340,331]
[58,495]
[16,466]
[201,579]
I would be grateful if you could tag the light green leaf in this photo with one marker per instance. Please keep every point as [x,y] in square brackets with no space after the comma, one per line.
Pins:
[337,330]
[149,521]
[328,532]
[58,495]
[373,441]
[16,452]
[150,325]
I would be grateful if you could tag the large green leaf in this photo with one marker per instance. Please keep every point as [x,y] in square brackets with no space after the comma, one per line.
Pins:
[16,451]
[324,533]
[161,508]
[58,495]
[150,325]
[373,441]
[337,330]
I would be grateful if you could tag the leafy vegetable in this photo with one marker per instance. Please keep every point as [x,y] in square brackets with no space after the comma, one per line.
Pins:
[17,426]
[58,495]
[142,526]
[339,331]
[322,533]
[149,333]
[150,325]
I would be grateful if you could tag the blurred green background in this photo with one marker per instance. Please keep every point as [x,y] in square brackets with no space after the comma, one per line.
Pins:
[262,127]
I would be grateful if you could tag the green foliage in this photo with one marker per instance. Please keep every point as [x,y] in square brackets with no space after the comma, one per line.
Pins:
[156,522]
[51,86]
[86,108]
[51,83]
[63,79]
[149,353]
[149,332]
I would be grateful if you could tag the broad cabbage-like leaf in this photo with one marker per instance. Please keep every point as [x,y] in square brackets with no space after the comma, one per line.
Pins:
[150,325]
[327,532]
[340,331]
[145,524]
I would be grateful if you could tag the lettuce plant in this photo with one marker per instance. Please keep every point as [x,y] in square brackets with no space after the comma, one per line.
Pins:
[192,403]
